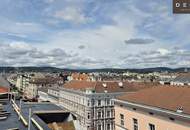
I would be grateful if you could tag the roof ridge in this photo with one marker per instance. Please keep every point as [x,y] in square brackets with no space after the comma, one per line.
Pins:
[95,85]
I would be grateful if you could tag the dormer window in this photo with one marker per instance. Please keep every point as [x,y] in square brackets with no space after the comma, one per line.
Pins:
[179,110]
[120,84]
[104,85]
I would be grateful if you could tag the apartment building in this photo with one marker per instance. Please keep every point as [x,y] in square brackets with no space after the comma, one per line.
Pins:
[40,83]
[157,108]
[22,82]
[49,95]
[92,101]
[181,79]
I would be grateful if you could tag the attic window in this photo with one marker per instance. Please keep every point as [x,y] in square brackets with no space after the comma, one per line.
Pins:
[179,110]
[104,85]
[120,84]
[171,118]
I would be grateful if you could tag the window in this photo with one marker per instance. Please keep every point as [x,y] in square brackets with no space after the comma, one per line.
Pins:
[99,127]
[135,124]
[151,127]
[88,115]
[93,102]
[108,127]
[99,115]
[108,101]
[122,119]
[99,102]
[108,114]
[88,104]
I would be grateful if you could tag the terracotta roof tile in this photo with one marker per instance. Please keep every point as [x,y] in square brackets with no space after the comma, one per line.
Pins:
[3,89]
[166,97]
[109,86]
[78,76]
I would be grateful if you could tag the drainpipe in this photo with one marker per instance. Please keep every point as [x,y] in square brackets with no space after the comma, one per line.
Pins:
[10,97]
[104,111]
[20,105]
[14,97]
[29,118]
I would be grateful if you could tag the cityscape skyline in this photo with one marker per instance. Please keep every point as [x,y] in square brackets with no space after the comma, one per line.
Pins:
[93,34]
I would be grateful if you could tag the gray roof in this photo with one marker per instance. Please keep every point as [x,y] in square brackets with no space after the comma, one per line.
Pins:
[4,82]
[13,122]
[184,78]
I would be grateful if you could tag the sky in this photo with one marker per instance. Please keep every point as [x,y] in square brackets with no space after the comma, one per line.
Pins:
[93,34]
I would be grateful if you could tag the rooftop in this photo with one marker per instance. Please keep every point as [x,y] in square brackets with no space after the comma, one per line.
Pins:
[109,86]
[3,90]
[3,82]
[43,114]
[184,78]
[45,80]
[79,76]
[165,97]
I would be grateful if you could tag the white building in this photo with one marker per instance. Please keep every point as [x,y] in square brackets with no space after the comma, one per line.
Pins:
[22,82]
[181,80]
[91,102]
[49,95]
[40,83]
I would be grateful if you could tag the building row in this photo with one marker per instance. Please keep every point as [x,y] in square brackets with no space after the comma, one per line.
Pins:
[110,105]
[115,105]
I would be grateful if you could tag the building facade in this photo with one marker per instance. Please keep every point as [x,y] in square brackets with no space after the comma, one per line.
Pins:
[94,111]
[154,109]
[22,82]
[44,83]
[181,79]
[92,102]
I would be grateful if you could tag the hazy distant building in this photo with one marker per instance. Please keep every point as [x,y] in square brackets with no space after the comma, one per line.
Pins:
[41,83]
[81,77]
[182,79]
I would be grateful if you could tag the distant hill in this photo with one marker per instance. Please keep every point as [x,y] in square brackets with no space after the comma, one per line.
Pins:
[55,70]
[29,69]
[144,70]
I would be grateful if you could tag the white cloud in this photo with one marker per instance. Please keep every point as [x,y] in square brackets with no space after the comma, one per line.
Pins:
[98,39]
[163,51]
[72,14]
[23,54]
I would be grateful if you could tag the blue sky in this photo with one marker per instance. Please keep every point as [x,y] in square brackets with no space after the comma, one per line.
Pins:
[93,34]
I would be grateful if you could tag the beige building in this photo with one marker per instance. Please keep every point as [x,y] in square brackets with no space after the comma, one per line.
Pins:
[22,82]
[157,108]
[31,91]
